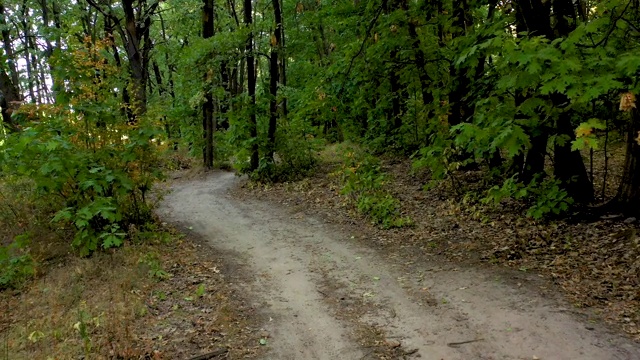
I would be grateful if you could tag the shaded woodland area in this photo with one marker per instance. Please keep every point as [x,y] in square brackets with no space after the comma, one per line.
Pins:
[525,107]
[526,90]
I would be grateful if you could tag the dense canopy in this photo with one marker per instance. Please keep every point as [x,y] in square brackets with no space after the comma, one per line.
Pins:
[93,91]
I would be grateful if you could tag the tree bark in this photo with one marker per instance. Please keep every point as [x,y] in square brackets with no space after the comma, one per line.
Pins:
[208,30]
[251,86]
[8,47]
[274,78]
[534,17]
[628,196]
[461,111]
[26,33]
[10,97]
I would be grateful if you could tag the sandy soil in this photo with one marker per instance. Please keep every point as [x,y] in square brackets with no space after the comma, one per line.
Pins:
[320,291]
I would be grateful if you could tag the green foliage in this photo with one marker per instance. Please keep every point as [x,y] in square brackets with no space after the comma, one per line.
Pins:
[154,268]
[16,264]
[85,158]
[585,135]
[544,198]
[364,183]
[103,188]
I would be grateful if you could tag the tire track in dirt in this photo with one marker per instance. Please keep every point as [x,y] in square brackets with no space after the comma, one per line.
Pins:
[306,275]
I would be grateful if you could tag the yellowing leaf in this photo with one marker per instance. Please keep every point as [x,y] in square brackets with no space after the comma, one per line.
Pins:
[627,101]
[582,132]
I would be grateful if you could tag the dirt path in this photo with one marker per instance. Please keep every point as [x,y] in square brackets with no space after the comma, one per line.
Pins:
[322,291]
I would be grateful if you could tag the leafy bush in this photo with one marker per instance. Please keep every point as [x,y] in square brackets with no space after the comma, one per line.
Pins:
[16,264]
[94,164]
[545,198]
[363,182]
[102,188]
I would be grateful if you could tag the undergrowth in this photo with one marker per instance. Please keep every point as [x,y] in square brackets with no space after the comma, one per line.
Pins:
[363,183]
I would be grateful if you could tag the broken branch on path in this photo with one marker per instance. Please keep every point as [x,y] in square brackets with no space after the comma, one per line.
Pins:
[456,344]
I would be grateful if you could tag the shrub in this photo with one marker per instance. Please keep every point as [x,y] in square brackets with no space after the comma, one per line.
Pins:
[16,264]
[363,182]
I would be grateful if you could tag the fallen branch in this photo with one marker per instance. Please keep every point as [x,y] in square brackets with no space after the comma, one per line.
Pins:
[456,344]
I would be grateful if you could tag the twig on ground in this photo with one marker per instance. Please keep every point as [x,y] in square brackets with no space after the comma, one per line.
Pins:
[456,344]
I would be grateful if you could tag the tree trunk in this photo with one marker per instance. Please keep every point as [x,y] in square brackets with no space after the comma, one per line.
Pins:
[534,17]
[208,30]
[223,104]
[10,97]
[251,86]
[26,33]
[9,100]
[274,78]
[283,59]
[135,37]
[132,41]
[396,102]
[8,48]
[461,111]
[425,80]
[628,196]
[569,166]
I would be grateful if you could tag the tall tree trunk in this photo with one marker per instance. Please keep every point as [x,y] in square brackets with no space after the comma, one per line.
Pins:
[274,78]
[8,48]
[569,166]
[461,110]
[283,59]
[251,86]
[534,16]
[132,40]
[628,196]
[425,80]
[26,33]
[397,93]
[223,104]
[35,72]
[10,97]
[208,30]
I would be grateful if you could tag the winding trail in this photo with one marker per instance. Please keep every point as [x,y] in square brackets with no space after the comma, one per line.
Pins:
[320,288]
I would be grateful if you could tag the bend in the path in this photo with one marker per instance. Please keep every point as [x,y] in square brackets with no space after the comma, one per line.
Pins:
[308,275]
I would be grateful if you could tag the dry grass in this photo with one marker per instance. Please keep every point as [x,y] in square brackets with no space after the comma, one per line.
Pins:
[80,306]
[147,301]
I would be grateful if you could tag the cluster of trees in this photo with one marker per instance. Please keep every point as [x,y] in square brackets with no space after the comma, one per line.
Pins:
[522,88]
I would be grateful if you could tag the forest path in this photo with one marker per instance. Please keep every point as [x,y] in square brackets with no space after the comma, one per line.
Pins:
[322,292]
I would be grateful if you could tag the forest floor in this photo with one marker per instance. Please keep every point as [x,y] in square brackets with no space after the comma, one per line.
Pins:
[325,284]
[167,297]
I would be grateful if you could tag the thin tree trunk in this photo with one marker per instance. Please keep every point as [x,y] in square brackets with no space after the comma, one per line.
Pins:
[251,86]
[208,30]
[27,51]
[283,58]
[274,78]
